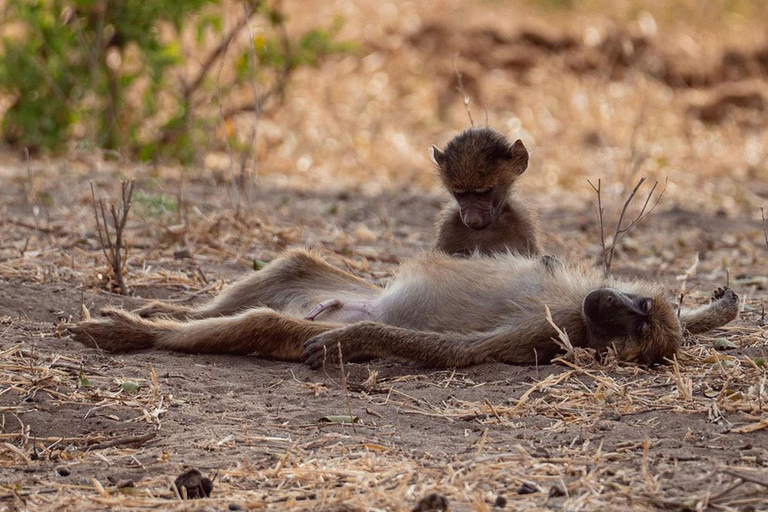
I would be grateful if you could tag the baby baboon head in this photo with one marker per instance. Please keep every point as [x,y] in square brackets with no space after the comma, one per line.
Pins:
[478,166]
[642,329]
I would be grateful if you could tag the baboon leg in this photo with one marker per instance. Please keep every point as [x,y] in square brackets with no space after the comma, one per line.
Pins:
[157,308]
[365,340]
[262,332]
[723,308]
[296,277]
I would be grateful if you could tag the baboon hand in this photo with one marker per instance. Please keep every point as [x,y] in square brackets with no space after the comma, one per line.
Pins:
[727,301]
[322,348]
[725,293]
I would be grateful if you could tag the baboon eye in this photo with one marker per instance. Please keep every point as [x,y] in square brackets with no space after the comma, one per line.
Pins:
[482,191]
[646,306]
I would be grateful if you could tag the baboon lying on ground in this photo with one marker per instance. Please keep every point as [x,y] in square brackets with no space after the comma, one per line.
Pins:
[479,167]
[438,311]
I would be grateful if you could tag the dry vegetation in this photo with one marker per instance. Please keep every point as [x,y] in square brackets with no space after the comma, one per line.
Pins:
[614,91]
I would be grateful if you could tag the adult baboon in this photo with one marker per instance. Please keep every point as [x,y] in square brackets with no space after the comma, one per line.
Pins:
[437,311]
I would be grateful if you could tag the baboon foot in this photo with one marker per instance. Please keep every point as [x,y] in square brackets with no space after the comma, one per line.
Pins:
[157,308]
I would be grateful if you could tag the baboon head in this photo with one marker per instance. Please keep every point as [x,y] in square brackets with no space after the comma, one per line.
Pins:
[642,329]
[478,167]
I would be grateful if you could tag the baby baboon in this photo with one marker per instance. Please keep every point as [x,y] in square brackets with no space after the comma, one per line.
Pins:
[437,311]
[479,167]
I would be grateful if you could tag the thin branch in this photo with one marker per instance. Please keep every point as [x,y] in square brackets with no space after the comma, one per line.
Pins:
[464,95]
[346,389]
[599,212]
[620,232]
[765,229]
[115,253]
[244,181]
[189,88]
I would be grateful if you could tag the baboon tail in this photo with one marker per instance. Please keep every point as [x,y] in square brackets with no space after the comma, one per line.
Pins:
[120,331]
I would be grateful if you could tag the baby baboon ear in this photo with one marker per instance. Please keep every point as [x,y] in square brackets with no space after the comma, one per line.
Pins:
[438,155]
[518,156]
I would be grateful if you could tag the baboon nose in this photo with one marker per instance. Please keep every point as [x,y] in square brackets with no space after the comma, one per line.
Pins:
[475,220]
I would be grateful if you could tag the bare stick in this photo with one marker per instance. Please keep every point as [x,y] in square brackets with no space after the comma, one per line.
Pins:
[346,389]
[622,231]
[765,229]
[114,252]
[599,211]
[140,439]
[235,194]
[256,107]
[747,478]
[464,96]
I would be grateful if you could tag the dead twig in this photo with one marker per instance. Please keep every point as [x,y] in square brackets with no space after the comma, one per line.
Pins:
[621,231]
[346,389]
[746,478]
[765,228]
[124,440]
[464,96]
[114,252]
[256,107]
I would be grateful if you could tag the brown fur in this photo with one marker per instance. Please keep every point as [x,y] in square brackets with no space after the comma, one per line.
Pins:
[438,311]
[481,159]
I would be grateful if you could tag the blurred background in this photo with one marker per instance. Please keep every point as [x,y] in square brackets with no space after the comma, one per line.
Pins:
[252,126]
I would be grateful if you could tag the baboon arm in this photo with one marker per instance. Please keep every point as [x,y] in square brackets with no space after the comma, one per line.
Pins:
[723,308]
[370,339]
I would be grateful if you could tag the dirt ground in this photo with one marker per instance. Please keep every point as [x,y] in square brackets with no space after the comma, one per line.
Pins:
[344,169]
[472,434]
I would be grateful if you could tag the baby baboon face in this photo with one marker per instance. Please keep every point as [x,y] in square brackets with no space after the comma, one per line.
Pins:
[478,208]
[478,167]
[642,329]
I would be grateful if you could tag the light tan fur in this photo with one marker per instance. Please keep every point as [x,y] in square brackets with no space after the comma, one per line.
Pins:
[438,311]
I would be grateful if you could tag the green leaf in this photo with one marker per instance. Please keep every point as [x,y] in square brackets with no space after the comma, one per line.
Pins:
[130,387]
[83,382]
[259,264]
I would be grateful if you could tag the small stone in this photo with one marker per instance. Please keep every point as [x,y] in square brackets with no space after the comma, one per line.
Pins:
[63,471]
[556,491]
[432,503]
[500,502]
[182,254]
[235,506]
[194,485]
[527,488]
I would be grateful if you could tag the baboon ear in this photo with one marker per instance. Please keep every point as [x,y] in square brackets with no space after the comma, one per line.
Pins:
[438,155]
[518,156]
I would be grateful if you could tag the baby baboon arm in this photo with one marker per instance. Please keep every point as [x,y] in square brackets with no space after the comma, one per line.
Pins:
[723,308]
[371,339]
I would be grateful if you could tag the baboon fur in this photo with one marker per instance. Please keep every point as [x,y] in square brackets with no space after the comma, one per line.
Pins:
[438,311]
[479,167]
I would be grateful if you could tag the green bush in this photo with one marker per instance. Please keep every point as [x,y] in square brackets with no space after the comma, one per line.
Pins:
[62,70]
